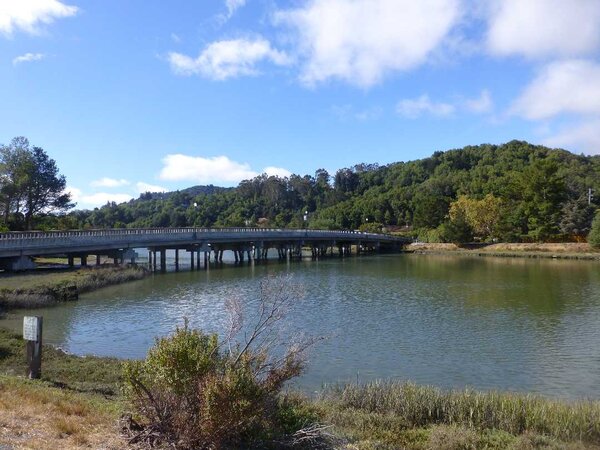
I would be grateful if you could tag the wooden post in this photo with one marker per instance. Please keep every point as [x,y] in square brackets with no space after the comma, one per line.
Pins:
[32,333]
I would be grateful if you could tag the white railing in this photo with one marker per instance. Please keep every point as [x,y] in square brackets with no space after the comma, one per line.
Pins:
[26,235]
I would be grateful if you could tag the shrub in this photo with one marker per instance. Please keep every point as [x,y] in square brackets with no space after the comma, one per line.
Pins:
[193,391]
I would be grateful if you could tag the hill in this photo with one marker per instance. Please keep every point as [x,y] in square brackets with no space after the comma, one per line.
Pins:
[514,191]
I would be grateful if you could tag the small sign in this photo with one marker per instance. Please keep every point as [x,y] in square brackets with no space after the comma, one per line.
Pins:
[31,328]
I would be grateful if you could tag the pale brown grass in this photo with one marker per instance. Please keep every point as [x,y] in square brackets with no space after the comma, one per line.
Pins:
[35,416]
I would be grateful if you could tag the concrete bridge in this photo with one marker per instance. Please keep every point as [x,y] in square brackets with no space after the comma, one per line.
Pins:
[18,248]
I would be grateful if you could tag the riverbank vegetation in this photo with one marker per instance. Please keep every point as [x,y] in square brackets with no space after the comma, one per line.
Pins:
[41,288]
[79,403]
[564,250]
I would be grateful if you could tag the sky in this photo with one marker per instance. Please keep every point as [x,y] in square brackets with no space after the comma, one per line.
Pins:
[131,96]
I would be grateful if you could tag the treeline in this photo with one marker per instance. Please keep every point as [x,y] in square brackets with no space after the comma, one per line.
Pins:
[511,192]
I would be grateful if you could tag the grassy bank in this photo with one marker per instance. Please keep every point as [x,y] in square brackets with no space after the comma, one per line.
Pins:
[403,415]
[34,289]
[511,250]
[77,404]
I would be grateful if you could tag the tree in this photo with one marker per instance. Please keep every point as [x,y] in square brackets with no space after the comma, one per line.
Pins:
[543,192]
[30,182]
[594,236]
[481,216]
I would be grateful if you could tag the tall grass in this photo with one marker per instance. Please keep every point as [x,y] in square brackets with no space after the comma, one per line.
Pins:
[420,406]
[66,286]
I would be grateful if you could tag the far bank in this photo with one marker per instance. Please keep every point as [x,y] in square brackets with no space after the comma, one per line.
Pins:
[567,250]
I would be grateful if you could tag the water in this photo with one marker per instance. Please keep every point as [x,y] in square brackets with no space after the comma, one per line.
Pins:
[451,321]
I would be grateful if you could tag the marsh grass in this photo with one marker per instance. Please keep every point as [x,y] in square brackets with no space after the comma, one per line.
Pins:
[33,290]
[385,406]
[83,374]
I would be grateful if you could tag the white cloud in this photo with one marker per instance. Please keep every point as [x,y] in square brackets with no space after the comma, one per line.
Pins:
[145,187]
[101,198]
[277,172]
[212,170]
[94,200]
[175,38]
[228,59]
[28,57]
[109,182]
[217,169]
[233,5]
[75,193]
[538,28]
[359,41]
[571,86]
[28,15]
[481,104]
[583,136]
[414,108]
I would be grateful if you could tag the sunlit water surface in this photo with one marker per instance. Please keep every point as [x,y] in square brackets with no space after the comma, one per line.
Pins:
[487,323]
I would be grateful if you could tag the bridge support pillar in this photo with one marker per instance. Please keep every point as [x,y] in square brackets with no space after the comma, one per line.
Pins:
[97,260]
[197,259]
[83,260]
[163,260]
[177,260]
[192,259]
[205,260]
[70,260]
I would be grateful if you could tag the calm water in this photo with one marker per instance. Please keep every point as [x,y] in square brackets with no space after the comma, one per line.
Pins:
[487,323]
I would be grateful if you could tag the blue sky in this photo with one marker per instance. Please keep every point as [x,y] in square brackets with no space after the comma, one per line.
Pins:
[129,95]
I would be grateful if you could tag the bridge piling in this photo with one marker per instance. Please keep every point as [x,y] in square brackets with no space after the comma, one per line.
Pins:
[163,259]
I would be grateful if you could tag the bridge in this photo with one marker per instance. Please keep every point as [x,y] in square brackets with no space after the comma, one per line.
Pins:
[18,248]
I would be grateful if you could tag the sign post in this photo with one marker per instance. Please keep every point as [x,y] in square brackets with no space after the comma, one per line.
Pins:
[32,333]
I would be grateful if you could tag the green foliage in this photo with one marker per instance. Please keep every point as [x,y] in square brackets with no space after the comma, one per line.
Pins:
[471,216]
[371,227]
[516,191]
[410,406]
[193,394]
[30,184]
[594,236]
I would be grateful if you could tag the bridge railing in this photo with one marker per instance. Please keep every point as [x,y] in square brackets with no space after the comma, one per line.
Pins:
[20,235]
[130,237]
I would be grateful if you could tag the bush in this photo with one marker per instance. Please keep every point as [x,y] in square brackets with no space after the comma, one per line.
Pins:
[193,391]
[594,235]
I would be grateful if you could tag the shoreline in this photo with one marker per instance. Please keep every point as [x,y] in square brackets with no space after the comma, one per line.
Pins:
[572,251]
[39,289]
[79,402]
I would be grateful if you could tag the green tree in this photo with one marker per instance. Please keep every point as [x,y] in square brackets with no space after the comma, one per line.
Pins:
[30,182]
[594,236]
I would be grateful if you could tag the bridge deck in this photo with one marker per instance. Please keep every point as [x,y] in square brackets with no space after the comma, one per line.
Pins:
[37,243]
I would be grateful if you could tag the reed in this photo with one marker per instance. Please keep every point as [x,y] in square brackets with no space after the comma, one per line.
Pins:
[413,406]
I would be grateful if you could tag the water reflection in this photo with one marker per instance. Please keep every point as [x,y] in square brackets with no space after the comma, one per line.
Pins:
[489,323]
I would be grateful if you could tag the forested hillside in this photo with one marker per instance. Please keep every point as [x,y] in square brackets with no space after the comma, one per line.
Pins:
[515,191]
